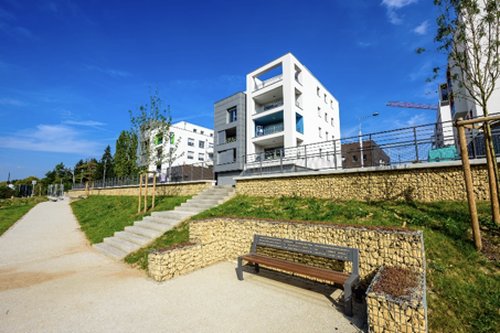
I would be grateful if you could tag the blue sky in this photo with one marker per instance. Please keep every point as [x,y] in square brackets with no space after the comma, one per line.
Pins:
[70,70]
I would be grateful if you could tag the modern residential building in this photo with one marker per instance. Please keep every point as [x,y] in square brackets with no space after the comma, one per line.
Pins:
[286,107]
[229,128]
[444,134]
[373,155]
[185,144]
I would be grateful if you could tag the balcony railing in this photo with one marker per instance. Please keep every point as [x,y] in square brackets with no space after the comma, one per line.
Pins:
[262,84]
[269,129]
[270,106]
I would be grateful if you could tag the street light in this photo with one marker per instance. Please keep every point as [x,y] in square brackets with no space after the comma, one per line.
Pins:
[360,134]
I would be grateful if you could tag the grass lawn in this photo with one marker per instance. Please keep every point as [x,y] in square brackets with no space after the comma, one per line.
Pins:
[101,216]
[12,210]
[463,285]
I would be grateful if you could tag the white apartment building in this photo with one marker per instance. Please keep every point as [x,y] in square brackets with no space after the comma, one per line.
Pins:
[195,144]
[287,108]
[444,133]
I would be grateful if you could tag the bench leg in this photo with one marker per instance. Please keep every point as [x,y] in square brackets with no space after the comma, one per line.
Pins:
[348,301]
[257,268]
[239,269]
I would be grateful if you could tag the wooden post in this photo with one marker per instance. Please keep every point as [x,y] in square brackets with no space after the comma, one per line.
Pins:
[492,175]
[146,192]
[86,189]
[140,194]
[154,191]
[476,233]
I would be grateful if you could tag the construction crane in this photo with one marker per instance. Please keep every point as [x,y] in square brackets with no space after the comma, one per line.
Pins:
[409,105]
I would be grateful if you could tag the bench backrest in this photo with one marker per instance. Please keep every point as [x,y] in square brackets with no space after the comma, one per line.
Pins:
[321,250]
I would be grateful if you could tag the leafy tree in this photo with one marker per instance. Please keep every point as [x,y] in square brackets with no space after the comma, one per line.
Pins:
[151,121]
[105,168]
[468,31]
[59,175]
[125,159]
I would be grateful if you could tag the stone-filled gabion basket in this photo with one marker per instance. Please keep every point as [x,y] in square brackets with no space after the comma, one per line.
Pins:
[393,307]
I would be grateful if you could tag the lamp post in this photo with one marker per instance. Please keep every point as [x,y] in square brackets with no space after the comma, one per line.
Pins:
[360,134]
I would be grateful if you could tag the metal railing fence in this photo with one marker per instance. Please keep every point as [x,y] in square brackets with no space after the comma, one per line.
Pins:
[417,144]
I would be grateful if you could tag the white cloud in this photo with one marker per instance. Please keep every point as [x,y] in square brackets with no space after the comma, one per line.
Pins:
[422,28]
[50,138]
[116,73]
[86,123]
[392,6]
[364,44]
[11,102]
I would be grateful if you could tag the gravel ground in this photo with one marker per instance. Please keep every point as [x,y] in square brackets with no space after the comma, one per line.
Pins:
[51,280]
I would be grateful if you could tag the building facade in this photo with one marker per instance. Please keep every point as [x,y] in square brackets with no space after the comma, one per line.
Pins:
[373,155]
[230,134]
[185,144]
[286,106]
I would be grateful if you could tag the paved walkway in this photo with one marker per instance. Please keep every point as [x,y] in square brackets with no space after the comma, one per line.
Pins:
[51,280]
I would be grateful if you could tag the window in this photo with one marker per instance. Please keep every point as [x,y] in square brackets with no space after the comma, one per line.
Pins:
[326,135]
[201,156]
[325,98]
[319,130]
[319,112]
[333,137]
[211,135]
[331,104]
[201,144]
[232,115]
[354,158]
[190,155]
[202,132]
[191,142]
[195,130]
[332,122]
[326,117]
[210,145]
[317,91]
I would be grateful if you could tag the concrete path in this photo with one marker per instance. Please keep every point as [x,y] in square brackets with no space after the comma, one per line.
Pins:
[51,280]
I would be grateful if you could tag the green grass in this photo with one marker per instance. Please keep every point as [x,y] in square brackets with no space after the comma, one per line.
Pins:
[12,210]
[101,216]
[463,285]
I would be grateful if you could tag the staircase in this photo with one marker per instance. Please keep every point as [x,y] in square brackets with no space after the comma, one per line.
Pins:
[151,227]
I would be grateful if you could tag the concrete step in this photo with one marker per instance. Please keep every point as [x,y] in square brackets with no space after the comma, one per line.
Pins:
[110,251]
[146,232]
[122,244]
[152,225]
[197,205]
[161,219]
[134,238]
[207,201]
[194,210]
[174,214]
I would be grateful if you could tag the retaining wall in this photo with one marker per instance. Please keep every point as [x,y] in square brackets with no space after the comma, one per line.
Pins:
[424,182]
[171,189]
[220,239]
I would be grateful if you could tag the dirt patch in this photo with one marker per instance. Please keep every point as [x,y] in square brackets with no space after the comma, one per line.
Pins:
[10,279]
[397,282]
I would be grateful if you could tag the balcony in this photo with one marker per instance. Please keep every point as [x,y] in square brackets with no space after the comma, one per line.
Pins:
[269,106]
[261,84]
[268,129]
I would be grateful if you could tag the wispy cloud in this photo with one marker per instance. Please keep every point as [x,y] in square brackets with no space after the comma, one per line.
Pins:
[363,44]
[422,72]
[116,73]
[50,138]
[84,123]
[8,27]
[422,28]
[12,102]
[392,7]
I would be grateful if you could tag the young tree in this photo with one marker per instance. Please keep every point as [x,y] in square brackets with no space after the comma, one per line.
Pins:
[151,123]
[468,30]
[125,155]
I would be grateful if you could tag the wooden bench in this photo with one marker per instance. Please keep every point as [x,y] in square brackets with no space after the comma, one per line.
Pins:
[321,250]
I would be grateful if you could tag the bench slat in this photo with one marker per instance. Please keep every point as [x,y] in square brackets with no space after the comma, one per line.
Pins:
[320,273]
